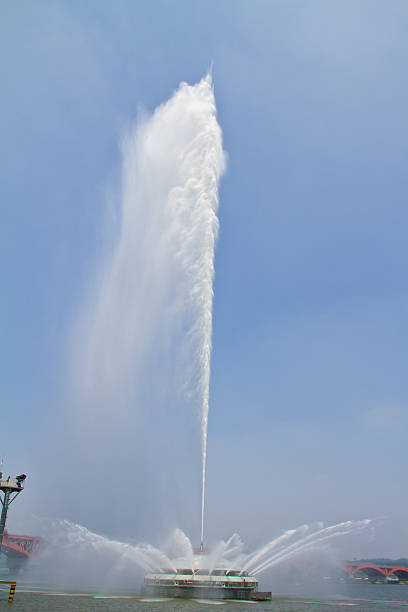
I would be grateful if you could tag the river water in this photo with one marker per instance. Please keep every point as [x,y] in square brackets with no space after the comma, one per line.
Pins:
[339,597]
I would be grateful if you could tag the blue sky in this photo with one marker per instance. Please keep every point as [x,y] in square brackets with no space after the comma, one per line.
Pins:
[308,395]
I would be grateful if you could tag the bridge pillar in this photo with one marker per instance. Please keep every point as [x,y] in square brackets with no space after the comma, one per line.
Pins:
[15,563]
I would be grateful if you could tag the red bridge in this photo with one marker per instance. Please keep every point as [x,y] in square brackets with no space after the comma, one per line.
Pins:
[348,569]
[19,548]
[374,572]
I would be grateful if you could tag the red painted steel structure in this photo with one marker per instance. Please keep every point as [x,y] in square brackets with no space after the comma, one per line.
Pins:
[22,546]
[349,569]
[376,571]
[18,549]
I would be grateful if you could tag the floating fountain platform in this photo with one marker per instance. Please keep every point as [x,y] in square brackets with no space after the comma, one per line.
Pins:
[201,582]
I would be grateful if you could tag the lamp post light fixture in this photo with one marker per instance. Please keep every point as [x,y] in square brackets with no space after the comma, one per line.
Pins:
[10,488]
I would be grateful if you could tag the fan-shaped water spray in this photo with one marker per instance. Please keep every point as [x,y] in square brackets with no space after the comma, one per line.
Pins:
[75,545]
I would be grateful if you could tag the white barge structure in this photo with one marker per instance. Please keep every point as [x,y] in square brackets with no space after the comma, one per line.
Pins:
[203,583]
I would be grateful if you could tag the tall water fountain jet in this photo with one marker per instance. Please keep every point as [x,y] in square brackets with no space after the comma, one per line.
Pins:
[158,282]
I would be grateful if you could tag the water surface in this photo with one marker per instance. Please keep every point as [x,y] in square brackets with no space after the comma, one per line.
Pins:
[359,597]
